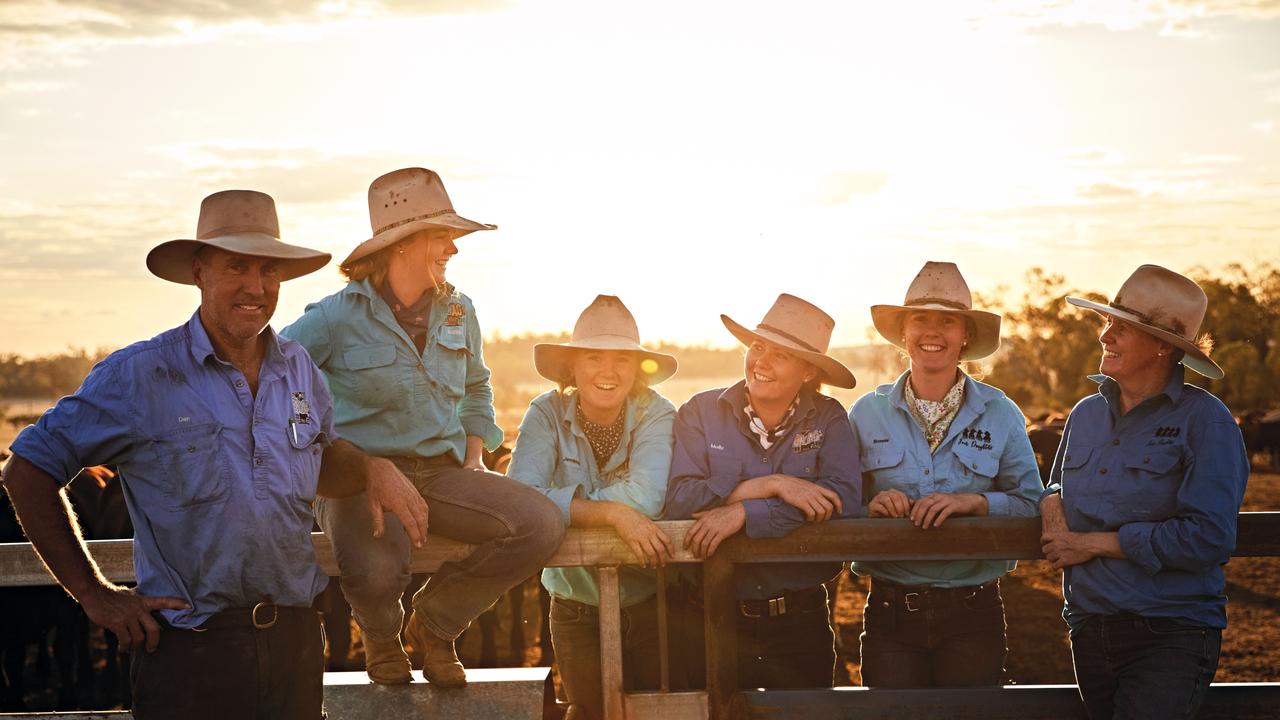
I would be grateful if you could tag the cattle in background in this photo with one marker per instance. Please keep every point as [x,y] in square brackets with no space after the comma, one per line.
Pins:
[1045,435]
[1261,431]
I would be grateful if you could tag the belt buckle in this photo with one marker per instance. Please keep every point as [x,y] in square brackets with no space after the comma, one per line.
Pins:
[275,615]
[910,601]
[777,606]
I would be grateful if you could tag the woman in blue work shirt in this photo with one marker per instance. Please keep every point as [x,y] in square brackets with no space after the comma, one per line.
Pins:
[600,447]
[401,350]
[937,444]
[1141,508]
[768,455]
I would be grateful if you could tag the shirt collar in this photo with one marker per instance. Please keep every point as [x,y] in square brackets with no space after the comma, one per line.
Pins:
[202,346]
[735,396]
[976,394]
[1110,389]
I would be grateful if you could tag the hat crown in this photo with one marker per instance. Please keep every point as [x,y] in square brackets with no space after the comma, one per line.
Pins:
[232,212]
[939,283]
[405,195]
[606,315]
[1165,300]
[800,321]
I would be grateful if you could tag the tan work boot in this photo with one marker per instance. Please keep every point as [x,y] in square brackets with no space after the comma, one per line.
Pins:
[440,664]
[386,661]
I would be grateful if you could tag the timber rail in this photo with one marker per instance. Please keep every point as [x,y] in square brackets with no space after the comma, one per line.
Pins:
[1258,535]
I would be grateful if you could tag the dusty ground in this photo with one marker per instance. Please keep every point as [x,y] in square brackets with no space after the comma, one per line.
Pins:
[1038,648]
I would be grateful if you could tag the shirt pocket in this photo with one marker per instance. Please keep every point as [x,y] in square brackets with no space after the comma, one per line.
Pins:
[198,474]
[1149,489]
[571,472]
[976,470]
[306,446]
[450,361]
[376,380]
[887,465]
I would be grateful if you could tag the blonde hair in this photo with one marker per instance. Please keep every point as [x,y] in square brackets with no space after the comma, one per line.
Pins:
[372,267]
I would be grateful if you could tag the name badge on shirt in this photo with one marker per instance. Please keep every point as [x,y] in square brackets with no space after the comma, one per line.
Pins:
[456,313]
[301,408]
[807,440]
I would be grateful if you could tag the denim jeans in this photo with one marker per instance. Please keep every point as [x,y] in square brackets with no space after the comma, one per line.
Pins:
[934,639]
[515,531]
[575,633]
[1128,666]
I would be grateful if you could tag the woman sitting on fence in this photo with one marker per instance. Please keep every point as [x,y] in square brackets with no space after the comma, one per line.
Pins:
[1141,509]
[768,455]
[600,448]
[937,444]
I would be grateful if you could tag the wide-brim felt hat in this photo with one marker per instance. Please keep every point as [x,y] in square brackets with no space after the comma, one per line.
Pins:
[804,330]
[940,286]
[238,221]
[406,201]
[1166,305]
[606,324]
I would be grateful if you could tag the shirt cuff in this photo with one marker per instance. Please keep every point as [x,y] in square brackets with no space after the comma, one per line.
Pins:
[1054,489]
[997,503]
[563,498]
[758,523]
[1135,541]
[485,429]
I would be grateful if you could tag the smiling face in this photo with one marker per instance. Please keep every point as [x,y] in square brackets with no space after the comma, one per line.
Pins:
[604,378]
[430,251]
[1129,354]
[238,295]
[934,339]
[774,374]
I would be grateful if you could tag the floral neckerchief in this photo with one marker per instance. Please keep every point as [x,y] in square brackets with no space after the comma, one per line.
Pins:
[764,436]
[604,439]
[934,418]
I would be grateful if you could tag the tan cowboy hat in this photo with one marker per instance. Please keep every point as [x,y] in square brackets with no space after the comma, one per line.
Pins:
[940,286]
[238,221]
[1165,305]
[802,328]
[405,201]
[606,324]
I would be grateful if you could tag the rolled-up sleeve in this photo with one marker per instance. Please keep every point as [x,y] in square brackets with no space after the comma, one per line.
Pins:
[644,486]
[92,427]
[533,461]
[1202,533]
[1018,484]
[692,488]
[476,410]
[838,470]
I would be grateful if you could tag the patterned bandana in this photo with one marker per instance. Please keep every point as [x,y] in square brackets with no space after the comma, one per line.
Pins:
[934,418]
[766,437]
[413,318]
[604,439]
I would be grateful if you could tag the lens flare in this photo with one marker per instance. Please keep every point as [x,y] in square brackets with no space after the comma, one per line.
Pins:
[648,366]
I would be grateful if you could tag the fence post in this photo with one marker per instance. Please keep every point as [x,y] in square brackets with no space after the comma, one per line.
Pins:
[720,614]
[611,643]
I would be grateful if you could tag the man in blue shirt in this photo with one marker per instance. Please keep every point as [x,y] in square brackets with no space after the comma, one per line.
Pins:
[218,428]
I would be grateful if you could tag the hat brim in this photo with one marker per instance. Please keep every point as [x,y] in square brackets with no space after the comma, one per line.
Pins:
[1194,359]
[451,221]
[832,371]
[982,342]
[554,361]
[171,260]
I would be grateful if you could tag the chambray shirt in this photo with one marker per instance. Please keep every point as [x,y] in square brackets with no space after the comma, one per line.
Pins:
[389,399]
[1168,476]
[985,451]
[218,485]
[553,456]
[716,449]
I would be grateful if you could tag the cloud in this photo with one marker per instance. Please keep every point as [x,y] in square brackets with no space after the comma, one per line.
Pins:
[1173,17]
[1208,159]
[1105,191]
[838,187]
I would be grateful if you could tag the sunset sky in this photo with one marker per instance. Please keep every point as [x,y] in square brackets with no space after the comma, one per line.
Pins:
[692,157]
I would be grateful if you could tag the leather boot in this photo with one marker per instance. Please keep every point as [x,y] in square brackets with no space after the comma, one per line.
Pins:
[440,664]
[386,661]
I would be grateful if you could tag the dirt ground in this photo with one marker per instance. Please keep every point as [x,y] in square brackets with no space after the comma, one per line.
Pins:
[1038,649]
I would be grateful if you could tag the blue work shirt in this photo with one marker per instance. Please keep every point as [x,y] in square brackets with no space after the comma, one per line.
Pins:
[389,399]
[985,451]
[554,457]
[219,482]
[1168,476]
[715,450]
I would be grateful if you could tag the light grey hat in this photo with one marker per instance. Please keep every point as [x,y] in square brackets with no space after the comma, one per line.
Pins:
[606,324]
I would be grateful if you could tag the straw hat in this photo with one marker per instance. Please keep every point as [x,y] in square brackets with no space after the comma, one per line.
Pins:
[606,324]
[1166,305]
[238,221]
[940,286]
[802,328]
[405,201]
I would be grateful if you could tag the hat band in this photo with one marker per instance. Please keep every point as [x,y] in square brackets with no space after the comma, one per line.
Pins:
[790,337]
[1147,320]
[937,301]
[406,221]
[234,229]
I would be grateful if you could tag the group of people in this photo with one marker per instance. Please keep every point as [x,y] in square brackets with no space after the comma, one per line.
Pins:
[369,414]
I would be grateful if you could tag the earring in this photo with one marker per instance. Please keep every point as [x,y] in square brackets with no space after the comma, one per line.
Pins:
[400,250]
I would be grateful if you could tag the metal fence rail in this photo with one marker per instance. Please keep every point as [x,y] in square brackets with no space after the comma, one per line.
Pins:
[865,539]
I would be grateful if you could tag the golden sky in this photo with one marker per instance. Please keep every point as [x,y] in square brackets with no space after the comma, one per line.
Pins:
[692,157]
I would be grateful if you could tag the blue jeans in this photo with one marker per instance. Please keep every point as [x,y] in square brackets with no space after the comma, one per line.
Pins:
[515,531]
[575,633]
[1128,666]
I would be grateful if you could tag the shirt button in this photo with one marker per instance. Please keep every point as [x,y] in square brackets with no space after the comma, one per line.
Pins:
[257,461]
[191,448]
[1146,460]
[1116,441]
[1103,471]
[926,472]
[1066,457]
[239,383]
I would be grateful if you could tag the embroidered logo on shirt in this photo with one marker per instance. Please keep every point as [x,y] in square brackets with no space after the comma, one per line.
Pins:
[976,438]
[301,409]
[879,440]
[716,447]
[807,440]
[1164,435]
[455,315]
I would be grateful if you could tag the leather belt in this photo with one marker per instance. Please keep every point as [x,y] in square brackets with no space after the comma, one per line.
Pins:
[806,600]
[919,597]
